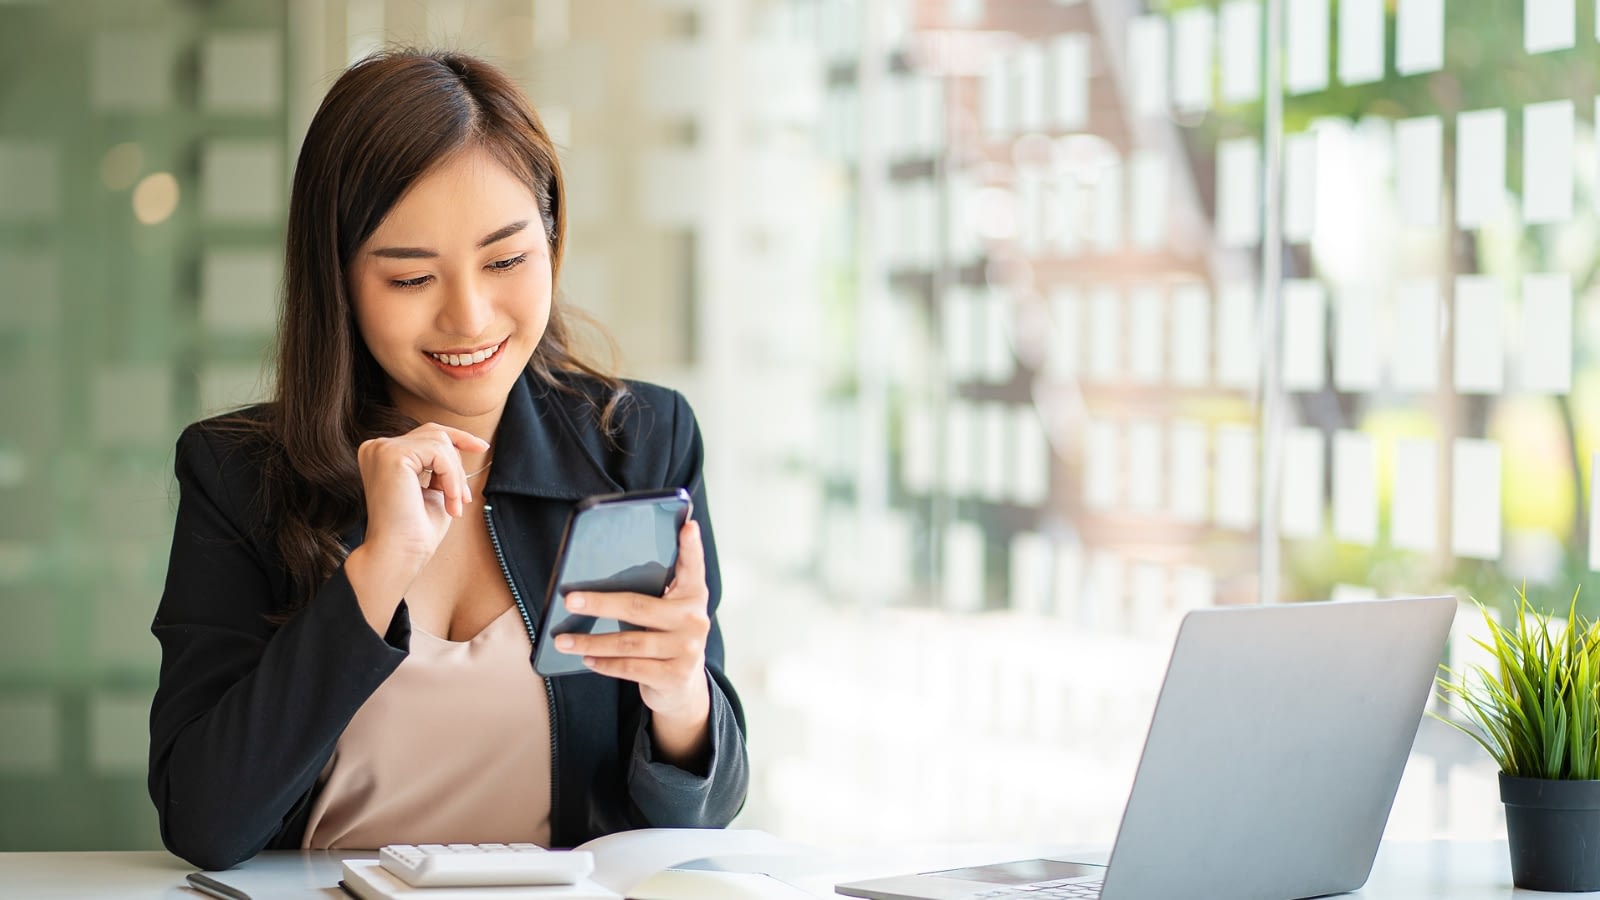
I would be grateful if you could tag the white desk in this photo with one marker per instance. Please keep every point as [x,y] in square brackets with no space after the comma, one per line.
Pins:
[1409,871]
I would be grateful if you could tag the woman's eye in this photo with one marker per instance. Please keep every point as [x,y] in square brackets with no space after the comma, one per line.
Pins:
[499,265]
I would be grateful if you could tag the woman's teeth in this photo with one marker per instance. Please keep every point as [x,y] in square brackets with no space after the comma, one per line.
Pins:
[465,359]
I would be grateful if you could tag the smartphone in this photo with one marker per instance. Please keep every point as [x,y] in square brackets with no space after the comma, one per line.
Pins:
[612,542]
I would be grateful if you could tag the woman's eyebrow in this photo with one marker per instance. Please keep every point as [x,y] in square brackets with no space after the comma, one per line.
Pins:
[498,234]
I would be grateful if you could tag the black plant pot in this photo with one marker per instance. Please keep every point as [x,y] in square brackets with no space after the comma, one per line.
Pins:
[1553,828]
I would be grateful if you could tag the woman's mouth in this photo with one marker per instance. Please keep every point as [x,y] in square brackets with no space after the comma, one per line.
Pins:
[467,359]
[465,363]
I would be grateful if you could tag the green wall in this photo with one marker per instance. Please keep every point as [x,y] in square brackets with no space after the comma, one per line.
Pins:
[114,332]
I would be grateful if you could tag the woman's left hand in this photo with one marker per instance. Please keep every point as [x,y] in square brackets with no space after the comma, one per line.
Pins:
[667,658]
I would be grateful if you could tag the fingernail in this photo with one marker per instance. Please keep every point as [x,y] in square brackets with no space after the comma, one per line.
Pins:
[589,661]
[576,601]
[564,642]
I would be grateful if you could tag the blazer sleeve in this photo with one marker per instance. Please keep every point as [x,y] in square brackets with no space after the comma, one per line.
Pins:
[246,714]
[664,794]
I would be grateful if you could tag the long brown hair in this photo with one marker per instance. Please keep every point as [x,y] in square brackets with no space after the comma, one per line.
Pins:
[388,120]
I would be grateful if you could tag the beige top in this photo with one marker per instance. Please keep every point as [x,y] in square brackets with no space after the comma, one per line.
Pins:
[454,747]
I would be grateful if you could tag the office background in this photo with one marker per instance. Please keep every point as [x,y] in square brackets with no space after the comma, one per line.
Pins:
[1016,328]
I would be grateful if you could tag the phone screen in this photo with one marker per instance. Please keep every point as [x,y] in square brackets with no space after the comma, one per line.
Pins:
[617,542]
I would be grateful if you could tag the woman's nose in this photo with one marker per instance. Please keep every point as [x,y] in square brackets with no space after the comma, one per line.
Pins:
[468,309]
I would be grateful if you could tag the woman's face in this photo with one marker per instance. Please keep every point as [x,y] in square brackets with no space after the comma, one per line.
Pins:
[452,291]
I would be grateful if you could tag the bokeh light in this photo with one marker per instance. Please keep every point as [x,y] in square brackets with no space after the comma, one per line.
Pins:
[120,167]
[155,198]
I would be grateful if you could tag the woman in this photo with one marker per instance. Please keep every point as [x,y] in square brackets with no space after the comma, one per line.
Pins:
[345,628]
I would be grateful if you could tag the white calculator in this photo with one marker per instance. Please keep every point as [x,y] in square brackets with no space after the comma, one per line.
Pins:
[473,865]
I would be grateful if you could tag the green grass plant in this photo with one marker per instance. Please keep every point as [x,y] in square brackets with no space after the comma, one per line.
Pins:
[1539,715]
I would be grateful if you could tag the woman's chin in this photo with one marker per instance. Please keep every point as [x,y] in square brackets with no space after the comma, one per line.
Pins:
[463,401]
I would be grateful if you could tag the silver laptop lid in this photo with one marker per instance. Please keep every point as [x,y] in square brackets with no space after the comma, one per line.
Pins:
[1275,750]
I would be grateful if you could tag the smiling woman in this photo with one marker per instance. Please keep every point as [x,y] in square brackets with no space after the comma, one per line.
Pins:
[445,294]
[346,628]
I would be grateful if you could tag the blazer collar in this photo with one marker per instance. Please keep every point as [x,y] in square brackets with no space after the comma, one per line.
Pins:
[540,449]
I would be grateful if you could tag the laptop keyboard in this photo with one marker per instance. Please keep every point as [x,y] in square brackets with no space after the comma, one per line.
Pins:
[1046,890]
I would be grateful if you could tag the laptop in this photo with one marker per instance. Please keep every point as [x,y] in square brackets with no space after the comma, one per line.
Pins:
[1273,756]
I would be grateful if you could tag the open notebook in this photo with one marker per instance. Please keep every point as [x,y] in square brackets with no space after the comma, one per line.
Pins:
[648,864]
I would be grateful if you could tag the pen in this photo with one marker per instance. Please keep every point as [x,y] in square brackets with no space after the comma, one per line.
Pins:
[205,884]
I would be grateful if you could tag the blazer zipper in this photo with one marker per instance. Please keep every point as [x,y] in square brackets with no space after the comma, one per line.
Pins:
[533,638]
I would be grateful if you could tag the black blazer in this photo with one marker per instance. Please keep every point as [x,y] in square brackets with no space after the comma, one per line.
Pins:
[246,714]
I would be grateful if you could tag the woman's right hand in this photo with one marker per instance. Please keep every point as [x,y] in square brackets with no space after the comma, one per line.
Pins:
[415,486]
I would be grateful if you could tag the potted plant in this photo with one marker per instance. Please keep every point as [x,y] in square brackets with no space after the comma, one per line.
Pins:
[1539,718]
